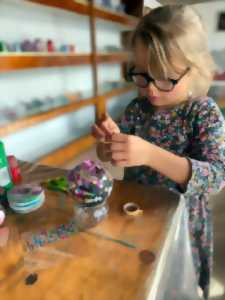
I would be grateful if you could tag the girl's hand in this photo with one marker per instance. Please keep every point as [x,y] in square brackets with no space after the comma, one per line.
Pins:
[105,128]
[129,150]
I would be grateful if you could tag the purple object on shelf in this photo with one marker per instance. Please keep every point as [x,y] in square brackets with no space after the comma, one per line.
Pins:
[26,46]
[39,46]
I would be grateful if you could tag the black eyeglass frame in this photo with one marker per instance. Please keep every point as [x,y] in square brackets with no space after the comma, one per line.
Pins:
[149,79]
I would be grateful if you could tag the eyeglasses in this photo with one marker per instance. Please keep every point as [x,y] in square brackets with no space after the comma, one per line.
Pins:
[142,80]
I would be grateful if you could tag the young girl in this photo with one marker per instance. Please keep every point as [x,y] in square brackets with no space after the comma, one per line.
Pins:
[173,134]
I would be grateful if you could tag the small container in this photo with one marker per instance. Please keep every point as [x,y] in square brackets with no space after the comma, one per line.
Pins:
[90,185]
[87,217]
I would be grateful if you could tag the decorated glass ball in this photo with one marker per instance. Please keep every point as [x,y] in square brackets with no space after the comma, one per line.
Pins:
[90,185]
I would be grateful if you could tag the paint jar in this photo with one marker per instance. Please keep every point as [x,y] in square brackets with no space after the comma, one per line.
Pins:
[88,216]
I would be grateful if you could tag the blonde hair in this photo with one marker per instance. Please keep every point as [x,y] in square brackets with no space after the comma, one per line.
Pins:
[177,40]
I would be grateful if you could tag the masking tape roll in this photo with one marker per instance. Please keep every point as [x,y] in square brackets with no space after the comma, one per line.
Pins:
[132,209]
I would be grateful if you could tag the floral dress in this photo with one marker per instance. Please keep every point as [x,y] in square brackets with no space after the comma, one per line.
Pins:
[193,129]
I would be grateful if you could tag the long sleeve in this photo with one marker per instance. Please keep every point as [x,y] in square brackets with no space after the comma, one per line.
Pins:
[208,151]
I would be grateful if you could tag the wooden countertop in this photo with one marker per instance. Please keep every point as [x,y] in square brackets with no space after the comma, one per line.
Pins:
[100,264]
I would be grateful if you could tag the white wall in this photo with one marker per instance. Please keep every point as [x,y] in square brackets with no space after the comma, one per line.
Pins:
[151,3]
[209,12]
[19,21]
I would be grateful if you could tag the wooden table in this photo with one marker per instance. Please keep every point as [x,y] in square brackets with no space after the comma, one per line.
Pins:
[88,265]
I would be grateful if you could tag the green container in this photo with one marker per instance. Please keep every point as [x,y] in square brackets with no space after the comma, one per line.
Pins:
[5,179]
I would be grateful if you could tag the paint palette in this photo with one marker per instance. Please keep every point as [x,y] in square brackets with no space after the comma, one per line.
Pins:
[26,198]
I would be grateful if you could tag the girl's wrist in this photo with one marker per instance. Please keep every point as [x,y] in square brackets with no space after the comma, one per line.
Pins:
[150,153]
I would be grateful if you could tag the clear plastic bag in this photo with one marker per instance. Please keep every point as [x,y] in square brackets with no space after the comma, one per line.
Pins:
[175,277]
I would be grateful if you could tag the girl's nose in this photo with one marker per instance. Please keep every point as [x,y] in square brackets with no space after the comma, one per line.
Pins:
[151,90]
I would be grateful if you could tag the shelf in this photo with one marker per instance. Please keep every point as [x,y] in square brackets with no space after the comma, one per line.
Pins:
[68,5]
[116,57]
[121,18]
[84,9]
[57,112]
[15,62]
[12,62]
[68,152]
[43,117]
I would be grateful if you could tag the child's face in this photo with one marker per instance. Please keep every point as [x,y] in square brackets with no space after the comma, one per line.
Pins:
[160,99]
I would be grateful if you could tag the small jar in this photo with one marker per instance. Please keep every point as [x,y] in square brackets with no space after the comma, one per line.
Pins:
[87,216]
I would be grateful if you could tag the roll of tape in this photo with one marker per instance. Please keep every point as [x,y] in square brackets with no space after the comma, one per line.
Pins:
[132,209]
[26,198]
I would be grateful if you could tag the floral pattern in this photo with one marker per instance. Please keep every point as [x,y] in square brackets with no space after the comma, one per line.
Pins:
[193,129]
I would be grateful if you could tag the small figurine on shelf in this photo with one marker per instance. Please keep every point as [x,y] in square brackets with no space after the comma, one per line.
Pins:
[64,48]
[39,45]
[3,47]
[14,47]
[72,48]
[50,46]
[107,3]
[26,46]
[120,8]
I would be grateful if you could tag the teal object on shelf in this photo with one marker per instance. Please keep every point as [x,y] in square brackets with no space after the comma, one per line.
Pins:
[3,47]
[223,111]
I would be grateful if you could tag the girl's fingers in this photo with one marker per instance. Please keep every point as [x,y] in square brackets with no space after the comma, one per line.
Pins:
[120,163]
[114,128]
[117,147]
[109,124]
[106,128]
[120,138]
[97,132]
[118,156]
[107,147]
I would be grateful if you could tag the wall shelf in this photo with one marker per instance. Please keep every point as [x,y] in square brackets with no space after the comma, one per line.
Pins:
[57,112]
[22,61]
[85,9]
[29,121]
[15,62]
[116,57]
[68,152]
